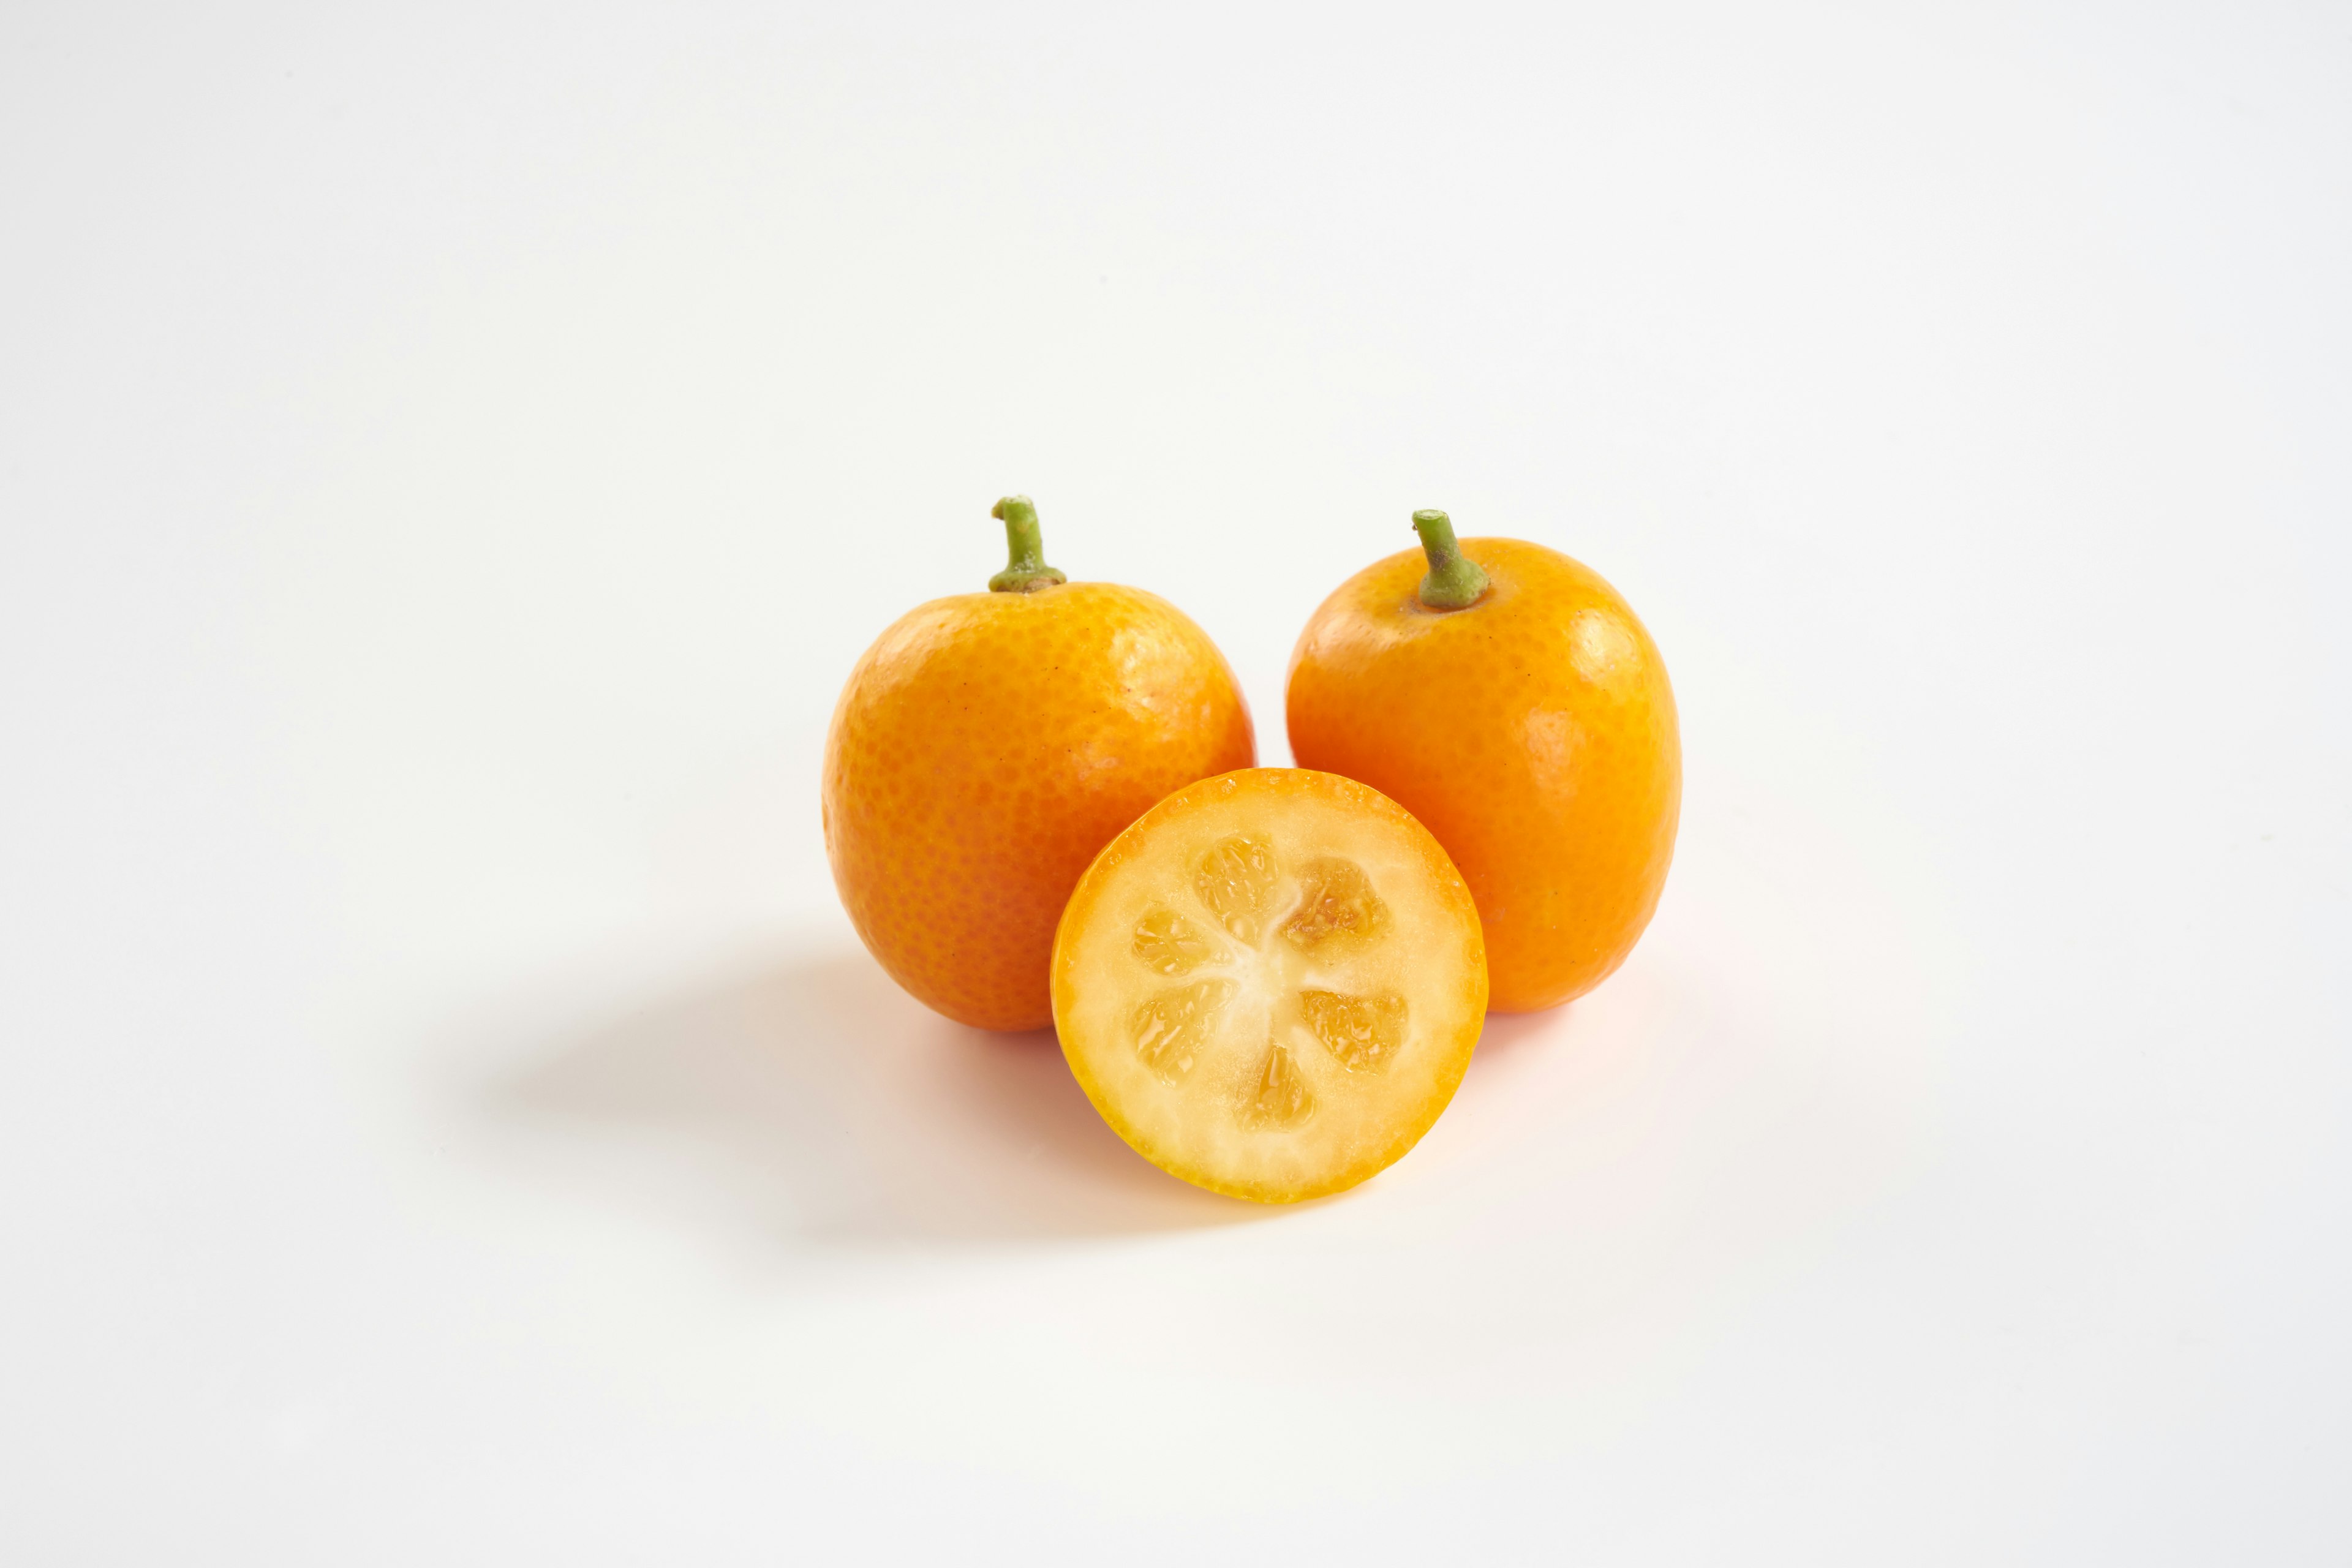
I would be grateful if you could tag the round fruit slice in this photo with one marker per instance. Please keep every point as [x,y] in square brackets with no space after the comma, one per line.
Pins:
[1270,983]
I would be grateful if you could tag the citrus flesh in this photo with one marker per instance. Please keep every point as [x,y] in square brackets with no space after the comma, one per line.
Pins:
[1270,983]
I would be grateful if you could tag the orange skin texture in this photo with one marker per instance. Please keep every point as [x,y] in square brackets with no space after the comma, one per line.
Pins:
[1532,732]
[985,748]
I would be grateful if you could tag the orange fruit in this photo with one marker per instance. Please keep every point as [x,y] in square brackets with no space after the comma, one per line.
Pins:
[1270,983]
[1510,698]
[987,746]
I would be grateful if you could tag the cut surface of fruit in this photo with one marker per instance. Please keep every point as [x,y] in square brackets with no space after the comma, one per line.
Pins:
[1271,982]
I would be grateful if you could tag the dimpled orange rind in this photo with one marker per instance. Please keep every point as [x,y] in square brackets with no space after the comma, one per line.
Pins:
[1533,733]
[984,749]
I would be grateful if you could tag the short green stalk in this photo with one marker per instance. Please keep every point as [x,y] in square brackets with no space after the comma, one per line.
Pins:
[1455,581]
[1026,572]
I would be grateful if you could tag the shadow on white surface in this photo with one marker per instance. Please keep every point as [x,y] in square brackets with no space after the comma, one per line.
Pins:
[812,1099]
[1506,1032]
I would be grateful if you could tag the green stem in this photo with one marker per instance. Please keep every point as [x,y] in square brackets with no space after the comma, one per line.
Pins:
[1455,581]
[1026,572]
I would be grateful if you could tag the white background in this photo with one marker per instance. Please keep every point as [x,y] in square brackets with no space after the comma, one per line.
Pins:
[450,457]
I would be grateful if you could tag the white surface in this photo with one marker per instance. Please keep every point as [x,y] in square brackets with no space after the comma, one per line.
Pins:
[444,1117]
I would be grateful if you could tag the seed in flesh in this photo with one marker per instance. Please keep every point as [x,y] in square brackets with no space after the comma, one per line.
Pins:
[1235,879]
[1171,1028]
[1335,900]
[1169,944]
[1363,1032]
[1279,1098]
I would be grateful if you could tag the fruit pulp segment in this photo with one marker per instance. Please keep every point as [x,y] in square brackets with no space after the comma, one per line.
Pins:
[1274,920]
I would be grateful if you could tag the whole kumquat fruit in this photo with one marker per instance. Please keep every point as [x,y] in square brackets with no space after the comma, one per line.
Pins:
[987,746]
[1506,697]
[1271,982]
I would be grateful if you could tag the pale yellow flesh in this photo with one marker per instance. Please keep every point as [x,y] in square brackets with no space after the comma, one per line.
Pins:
[1271,998]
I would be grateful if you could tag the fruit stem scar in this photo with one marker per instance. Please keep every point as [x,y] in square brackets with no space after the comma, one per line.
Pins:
[1026,570]
[1455,581]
